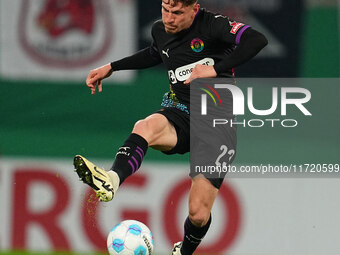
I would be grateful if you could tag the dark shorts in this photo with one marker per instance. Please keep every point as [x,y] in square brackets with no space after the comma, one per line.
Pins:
[181,122]
[210,151]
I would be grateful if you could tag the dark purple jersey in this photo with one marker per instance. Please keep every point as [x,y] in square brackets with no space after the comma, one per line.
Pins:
[208,40]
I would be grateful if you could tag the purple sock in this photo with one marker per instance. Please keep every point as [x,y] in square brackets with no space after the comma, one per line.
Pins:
[130,156]
[193,236]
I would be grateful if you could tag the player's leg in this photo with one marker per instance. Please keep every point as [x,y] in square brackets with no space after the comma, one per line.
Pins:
[155,131]
[201,199]
[104,183]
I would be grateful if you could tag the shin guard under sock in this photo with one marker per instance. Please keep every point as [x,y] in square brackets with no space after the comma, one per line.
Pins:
[130,156]
[193,236]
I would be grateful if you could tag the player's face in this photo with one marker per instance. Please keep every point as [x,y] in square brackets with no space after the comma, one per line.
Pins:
[177,17]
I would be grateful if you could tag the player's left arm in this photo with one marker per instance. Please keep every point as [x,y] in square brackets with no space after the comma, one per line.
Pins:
[250,44]
[248,41]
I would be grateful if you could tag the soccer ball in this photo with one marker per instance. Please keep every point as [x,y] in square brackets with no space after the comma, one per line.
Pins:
[130,237]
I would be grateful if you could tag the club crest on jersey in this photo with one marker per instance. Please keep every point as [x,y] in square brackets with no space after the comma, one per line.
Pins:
[235,26]
[197,45]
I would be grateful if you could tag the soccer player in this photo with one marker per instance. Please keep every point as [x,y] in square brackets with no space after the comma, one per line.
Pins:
[192,43]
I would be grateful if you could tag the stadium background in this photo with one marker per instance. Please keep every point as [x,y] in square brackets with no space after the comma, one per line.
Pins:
[47,118]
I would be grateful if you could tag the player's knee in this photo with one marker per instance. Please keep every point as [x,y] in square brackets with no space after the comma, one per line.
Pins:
[142,128]
[146,129]
[199,216]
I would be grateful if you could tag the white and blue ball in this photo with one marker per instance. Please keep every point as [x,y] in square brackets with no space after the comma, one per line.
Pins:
[130,237]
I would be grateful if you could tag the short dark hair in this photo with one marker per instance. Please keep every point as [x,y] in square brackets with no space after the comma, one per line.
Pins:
[184,2]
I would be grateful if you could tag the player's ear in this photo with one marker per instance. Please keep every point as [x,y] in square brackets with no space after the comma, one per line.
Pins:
[196,8]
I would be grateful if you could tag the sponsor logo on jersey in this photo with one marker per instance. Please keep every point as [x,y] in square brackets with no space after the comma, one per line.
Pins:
[172,77]
[65,33]
[166,53]
[197,45]
[183,73]
[235,26]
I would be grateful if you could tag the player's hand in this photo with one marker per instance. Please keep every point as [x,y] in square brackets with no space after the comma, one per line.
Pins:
[96,76]
[201,71]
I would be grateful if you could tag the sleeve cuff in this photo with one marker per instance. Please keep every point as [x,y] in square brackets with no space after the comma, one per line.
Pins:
[239,34]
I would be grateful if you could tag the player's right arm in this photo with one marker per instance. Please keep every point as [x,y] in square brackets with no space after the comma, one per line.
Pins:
[96,76]
[145,58]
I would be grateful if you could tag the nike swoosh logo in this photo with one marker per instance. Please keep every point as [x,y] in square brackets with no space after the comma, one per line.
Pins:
[95,168]
[107,186]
